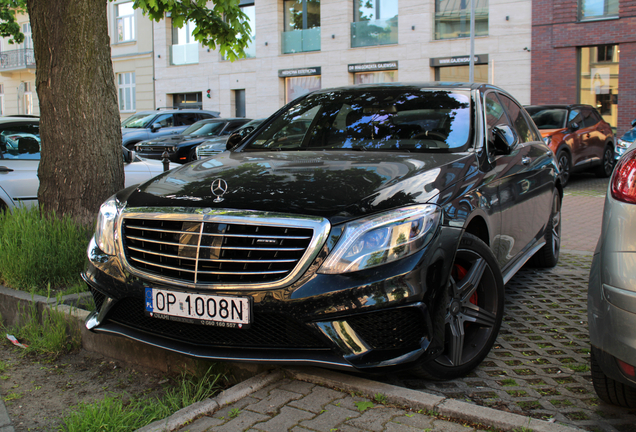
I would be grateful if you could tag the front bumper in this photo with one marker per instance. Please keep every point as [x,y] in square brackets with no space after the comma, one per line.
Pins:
[386,317]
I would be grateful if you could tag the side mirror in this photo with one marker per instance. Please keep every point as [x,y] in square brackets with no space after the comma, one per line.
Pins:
[574,126]
[234,140]
[246,131]
[129,155]
[634,123]
[155,127]
[503,139]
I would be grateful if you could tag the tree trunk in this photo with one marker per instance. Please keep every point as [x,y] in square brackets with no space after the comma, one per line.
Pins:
[82,161]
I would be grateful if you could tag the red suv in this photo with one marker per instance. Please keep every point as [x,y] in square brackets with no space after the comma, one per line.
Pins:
[579,137]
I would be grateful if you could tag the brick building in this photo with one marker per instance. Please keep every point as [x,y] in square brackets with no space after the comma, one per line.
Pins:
[585,51]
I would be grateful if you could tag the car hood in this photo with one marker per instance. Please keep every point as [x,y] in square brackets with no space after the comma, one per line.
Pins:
[338,185]
[550,132]
[174,140]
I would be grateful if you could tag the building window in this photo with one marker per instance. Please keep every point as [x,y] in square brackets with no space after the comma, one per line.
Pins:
[452,18]
[302,26]
[249,10]
[594,9]
[28,98]
[126,87]
[125,22]
[374,77]
[599,80]
[28,36]
[184,49]
[462,73]
[188,100]
[298,86]
[375,22]
[239,103]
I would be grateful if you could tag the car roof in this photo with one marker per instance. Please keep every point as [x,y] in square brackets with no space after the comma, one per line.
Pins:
[173,111]
[224,119]
[19,119]
[413,85]
[562,106]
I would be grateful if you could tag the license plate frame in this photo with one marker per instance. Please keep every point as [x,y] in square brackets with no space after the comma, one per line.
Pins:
[196,308]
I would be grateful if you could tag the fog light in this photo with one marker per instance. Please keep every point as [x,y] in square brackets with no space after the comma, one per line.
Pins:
[627,369]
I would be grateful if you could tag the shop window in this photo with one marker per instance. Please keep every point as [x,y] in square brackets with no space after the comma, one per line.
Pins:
[125,22]
[184,49]
[375,22]
[462,74]
[452,18]
[595,9]
[298,86]
[302,26]
[374,77]
[126,92]
[598,82]
[188,100]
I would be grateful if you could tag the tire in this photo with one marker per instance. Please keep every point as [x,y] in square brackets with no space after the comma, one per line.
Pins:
[565,166]
[192,155]
[474,312]
[548,255]
[609,390]
[607,163]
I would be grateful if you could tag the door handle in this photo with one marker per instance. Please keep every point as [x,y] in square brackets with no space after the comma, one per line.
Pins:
[525,160]
[5,169]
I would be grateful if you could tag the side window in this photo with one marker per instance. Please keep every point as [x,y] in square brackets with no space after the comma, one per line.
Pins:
[588,118]
[575,116]
[186,119]
[164,120]
[520,123]
[203,116]
[21,141]
[233,126]
[495,113]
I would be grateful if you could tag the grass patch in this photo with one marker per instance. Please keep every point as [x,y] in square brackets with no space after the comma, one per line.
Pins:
[40,253]
[50,334]
[117,414]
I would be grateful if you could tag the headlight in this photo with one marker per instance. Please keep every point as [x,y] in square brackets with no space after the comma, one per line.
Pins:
[624,145]
[383,238]
[105,230]
[547,140]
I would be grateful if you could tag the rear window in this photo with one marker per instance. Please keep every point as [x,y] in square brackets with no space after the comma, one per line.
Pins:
[548,118]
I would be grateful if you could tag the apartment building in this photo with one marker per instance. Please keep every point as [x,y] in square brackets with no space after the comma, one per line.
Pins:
[585,51]
[302,45]
[131,51]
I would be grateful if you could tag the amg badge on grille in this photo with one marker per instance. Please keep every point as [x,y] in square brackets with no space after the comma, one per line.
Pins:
[219,187]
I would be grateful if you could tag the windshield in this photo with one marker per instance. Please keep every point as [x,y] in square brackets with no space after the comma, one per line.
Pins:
[138,121]
[204,129]
[393,119]
[548,118]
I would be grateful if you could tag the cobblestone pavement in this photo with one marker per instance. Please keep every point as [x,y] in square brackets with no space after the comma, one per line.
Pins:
[300,406]
[540,363]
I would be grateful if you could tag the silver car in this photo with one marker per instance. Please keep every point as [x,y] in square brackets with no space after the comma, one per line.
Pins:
[611,304]
[20,156]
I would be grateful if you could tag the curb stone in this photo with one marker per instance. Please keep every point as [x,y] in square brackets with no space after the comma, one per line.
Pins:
[226,397]
[448,407]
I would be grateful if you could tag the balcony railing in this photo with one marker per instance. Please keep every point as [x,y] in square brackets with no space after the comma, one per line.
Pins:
[184,54]
[374,32]
[301,40]
[17,59]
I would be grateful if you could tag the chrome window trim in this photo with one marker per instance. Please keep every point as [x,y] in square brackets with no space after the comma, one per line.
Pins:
[320,226]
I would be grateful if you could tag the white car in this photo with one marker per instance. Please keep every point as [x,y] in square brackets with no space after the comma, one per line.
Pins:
[20,157]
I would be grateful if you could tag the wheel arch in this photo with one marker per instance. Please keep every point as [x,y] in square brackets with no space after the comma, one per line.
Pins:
[477,226]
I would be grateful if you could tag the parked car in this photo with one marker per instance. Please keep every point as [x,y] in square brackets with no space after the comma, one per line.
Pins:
[378,235]
[145,125]
[611,307]
[218,144]
[579,137]
[20,156]
[181,148]
[623,143]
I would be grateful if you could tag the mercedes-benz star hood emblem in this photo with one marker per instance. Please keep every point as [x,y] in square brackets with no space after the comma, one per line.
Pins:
[219,187]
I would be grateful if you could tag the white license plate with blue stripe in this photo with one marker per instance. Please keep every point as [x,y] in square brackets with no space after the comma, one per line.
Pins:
[213,310]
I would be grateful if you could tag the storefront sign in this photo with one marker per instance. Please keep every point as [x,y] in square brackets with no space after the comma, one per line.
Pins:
[286,73]
[372,67]
[458,60]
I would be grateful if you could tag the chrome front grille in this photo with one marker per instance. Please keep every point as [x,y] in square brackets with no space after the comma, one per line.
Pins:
[210,250]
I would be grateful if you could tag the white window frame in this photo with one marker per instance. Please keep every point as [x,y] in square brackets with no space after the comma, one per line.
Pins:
[28,99]
[124,87]
[125,23]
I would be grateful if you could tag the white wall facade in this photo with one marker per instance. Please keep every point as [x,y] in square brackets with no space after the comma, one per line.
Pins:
[507,45]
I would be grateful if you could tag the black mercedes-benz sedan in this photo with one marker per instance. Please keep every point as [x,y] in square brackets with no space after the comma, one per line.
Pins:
[370,228]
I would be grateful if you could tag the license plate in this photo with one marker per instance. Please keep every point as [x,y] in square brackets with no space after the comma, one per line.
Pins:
[213,310]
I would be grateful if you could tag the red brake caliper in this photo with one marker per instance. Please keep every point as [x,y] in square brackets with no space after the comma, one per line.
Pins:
[460,273]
